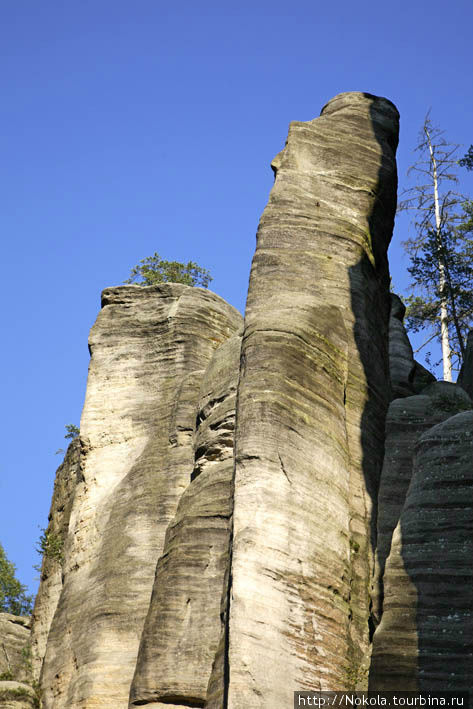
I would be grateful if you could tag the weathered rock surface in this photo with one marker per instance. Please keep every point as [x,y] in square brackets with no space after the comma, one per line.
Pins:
[183,626]
[311,405]
[17,695]
[465,378]
[401,358]
[425,638]
[406,421]
[408,377]
[149,348]
[67,477]
[15,662]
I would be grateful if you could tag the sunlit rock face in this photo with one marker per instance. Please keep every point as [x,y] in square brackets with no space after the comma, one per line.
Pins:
[184,625]
[313,393]
[149,349]
[424,641]
[239,515]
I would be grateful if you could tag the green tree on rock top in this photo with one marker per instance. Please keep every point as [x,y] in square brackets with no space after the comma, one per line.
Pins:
[154,269]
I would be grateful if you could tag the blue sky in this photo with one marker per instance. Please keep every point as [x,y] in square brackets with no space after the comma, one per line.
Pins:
[134,127]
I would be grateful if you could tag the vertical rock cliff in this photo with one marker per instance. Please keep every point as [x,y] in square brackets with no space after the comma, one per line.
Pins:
[312,399]
[149,349]
[240,518]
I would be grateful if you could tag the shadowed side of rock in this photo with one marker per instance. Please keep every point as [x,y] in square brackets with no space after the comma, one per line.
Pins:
[302,557]
[465,378]
[407,419]
[149,349]
[67,478]
[425,639]
[183,626]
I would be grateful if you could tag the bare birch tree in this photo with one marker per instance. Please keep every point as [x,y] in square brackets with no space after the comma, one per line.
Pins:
[436,208]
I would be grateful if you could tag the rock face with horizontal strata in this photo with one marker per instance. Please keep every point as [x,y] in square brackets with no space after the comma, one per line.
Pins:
[149,348]
[407,419]
[311,405]
[425,639]
[183,626]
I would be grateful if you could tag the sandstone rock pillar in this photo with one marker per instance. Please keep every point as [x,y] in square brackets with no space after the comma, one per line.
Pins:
[312,399]
[149,348]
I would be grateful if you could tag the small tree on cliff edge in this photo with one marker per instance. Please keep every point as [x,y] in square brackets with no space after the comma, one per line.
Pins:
[153,270]
[13,598]
[441,250]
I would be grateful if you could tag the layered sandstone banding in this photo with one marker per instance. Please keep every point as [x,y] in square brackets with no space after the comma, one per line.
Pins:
[183,626]
[67,477]
[149,348]
[311,405]
[407,419]
[425,638]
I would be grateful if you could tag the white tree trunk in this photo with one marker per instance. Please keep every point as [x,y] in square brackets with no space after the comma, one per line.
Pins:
[444,338]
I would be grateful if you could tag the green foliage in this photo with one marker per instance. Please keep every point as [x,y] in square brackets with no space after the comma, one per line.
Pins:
[13,596]
[153,270]
[467,159]
[72,431]
[50,545]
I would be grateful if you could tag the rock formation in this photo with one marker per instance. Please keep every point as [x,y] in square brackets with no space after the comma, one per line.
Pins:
[407,419]
[183,626]
[240,516]
[311,404]
[16,691]
[149,348]
[425,638]
[408,377]
[67,477]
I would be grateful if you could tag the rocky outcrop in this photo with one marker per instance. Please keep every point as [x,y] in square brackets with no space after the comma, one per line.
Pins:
[15,661]
[424,640]
[149,349]
[17,695]
[408,377]
[183,627]
[407,419]
[67,477]
[16,675]
[215,532]
[465,378]
[311,405]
